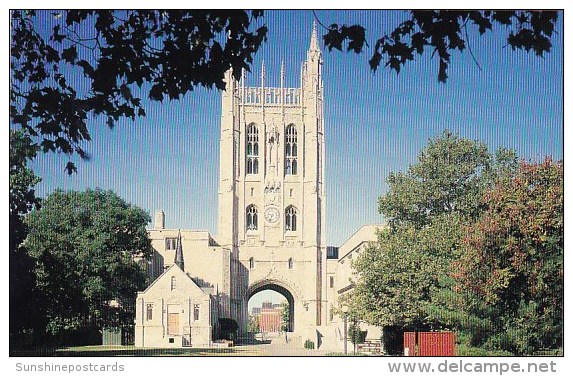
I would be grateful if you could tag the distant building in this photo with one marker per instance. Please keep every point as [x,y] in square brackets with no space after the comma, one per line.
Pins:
[270,320]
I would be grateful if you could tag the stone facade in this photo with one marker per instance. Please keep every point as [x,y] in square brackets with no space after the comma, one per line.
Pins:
[272,212]
[345,279]
[271,191]
[175,312]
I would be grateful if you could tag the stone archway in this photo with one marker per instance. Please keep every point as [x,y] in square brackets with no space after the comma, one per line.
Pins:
[281,289]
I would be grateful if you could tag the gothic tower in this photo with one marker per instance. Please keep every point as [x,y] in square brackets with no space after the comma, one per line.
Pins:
[271,191]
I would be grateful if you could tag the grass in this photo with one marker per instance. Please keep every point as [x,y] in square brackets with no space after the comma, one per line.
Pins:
[102,351]
[349,354]
[465,350]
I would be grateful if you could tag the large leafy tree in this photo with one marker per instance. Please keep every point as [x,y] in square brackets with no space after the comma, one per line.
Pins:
[512,264]
[99,63]
[22,199]
[92,63]
[84,245]
[404,278]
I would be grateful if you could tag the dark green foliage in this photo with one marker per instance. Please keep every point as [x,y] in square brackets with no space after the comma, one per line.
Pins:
[355,334]
[22,182]
[228,328]
[308,344]
[24,315]
[285,318]
[512,265]
[475,244]
[405,277]
[85,246]
[120,54]
[444,31]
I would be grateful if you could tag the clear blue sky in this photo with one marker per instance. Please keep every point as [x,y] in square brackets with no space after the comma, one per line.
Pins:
[375,123]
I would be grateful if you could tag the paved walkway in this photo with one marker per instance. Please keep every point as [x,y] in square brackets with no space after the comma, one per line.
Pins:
[278,347]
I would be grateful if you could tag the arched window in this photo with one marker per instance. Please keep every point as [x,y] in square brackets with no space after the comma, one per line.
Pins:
[290,150]
[252,217]
[290,218]
[252,151]
[290,263]
[251,263]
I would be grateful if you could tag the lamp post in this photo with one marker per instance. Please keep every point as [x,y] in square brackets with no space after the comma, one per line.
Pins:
[345,311]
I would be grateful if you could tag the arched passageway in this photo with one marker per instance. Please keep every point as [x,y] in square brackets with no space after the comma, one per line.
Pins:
[282,291]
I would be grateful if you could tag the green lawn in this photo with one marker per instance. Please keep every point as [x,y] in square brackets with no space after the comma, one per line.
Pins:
[126,351]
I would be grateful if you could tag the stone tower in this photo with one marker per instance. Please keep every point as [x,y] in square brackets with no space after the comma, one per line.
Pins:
[271,191]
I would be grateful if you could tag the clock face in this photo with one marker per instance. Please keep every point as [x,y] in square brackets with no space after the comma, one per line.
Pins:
[272,214]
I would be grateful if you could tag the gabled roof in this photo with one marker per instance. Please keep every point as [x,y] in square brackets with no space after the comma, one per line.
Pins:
[175,270]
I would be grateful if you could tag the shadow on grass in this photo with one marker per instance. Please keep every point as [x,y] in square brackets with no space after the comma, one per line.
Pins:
[102,351]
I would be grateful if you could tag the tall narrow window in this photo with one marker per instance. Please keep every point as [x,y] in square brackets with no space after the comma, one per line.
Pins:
[252,151]
[290,218]
[252,217]
[251,263]
[149,310]
[173,283]
[196,308]
[290,263]
[290,150]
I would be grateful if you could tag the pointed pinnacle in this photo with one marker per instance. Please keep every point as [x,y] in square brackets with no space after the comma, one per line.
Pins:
[314,38]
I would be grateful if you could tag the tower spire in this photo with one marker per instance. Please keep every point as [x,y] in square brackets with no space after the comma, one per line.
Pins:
[314,38]
[179,253]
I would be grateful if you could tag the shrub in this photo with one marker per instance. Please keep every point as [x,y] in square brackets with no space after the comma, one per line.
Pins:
[228,328]
[308,344]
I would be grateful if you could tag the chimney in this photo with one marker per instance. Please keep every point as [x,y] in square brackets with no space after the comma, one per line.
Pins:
[159,220]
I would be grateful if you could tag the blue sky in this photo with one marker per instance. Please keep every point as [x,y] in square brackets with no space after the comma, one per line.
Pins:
[375,123]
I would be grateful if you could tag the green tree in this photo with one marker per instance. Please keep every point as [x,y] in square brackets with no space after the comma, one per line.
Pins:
[512,264]
[228,328]
[254,326]
[122,56]
[285,317]
[85,246]
[405,277]
[444,31]
[22,199]
[118,55]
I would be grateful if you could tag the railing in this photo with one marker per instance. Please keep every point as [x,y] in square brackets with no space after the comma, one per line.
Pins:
[272,96]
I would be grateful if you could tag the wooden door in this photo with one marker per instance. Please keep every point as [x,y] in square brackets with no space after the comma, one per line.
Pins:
[173,324]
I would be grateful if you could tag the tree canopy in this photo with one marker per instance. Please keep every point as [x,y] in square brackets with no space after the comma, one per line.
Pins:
[166,53]
[511,267]
[22,199]
[444,31]
[122,56]
[475,244]
[84,245]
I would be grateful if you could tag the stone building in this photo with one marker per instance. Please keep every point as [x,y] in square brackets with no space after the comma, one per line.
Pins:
[271,228]
[174,311]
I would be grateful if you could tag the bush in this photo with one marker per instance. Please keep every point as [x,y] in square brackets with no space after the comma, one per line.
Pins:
[308,344]
[227,328]
[464,350]
[356,335]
